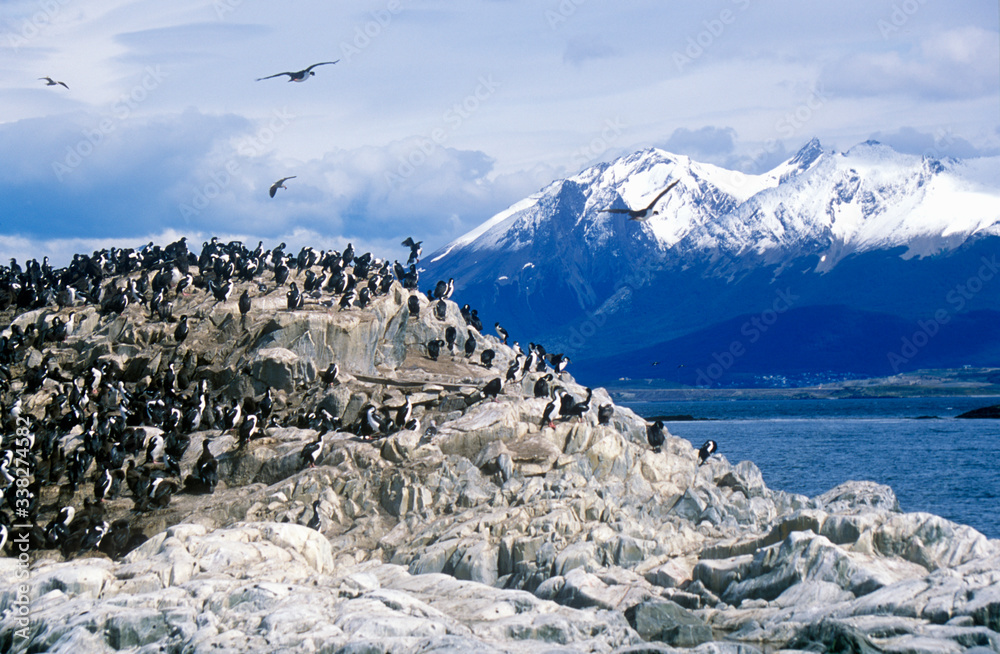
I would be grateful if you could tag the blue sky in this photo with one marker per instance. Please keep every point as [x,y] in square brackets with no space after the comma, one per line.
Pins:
[441,114]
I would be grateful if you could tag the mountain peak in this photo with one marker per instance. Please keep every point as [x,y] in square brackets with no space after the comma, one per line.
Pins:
[807,154]
[873,149]
[868,198]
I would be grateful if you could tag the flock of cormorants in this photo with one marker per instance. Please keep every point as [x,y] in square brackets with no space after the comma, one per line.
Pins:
[115,455]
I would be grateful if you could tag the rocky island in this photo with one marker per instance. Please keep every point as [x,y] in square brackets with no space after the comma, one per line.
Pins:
[397,501]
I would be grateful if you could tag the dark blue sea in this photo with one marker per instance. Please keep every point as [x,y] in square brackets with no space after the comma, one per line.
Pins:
[940,465]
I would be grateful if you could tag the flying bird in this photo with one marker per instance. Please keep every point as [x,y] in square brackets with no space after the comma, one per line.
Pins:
[51,82]
[415,249]
[643,214]
[301,75]
[280,184]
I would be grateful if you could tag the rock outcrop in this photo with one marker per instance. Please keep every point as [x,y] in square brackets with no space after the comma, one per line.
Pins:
[492,531]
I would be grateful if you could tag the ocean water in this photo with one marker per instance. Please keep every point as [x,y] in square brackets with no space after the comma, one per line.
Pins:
[940,465]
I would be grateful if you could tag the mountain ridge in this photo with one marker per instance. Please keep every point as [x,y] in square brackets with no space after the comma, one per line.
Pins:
[723,241]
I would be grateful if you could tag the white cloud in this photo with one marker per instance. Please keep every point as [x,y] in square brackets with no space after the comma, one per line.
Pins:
[958,63]
[356,136]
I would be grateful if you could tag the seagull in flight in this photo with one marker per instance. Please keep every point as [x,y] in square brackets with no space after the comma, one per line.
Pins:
[52,82]
[299,76]
[643,214]
[280,184]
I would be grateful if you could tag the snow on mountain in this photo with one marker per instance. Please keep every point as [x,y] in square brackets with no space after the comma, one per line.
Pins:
[819,202]
[868,241]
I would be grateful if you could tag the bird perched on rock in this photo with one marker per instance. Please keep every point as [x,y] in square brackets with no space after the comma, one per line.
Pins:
[486,357]
[58,528]
[244,302]
[294,298]
[470,345]
[512,369]
[444,289]
[475,322]
[248,429]
[493,388]
[578,409]
[542,385]
[440,310]
[103,486]
[118,539]
[501,332]
[299,75]
[547,414]
[205,476]
[413,306]
[312,452]
[559,362]
[280,274]
[434,348]
[405,413]
[428,434]
[706,450]
[160,492]
[655,436]
[184,283]
[643,214]
[450,336]
[604,413]
[330,374]
[220,293]
[372,424]
[181,331]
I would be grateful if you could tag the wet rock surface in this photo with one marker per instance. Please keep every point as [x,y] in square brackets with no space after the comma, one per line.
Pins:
[490,531]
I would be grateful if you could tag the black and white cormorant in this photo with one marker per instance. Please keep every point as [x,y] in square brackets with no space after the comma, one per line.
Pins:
[181,331]
[405,413]
[706,450]
[330,374]
[312,451]
[294,298]
[547,414]
[372,424]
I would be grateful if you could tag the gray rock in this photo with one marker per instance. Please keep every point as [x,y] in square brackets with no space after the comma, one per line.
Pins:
[663,620]
[474,519]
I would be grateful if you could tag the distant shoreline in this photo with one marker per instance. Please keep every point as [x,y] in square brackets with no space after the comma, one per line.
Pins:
[961,382]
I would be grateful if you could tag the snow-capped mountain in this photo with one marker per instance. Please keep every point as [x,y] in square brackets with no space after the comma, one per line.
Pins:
[869,230]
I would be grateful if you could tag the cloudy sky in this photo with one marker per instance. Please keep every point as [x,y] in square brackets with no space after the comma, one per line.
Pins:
[439,113]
